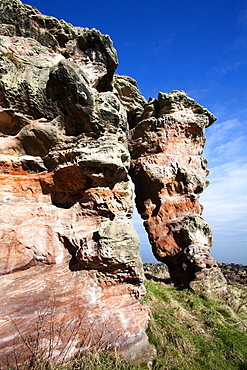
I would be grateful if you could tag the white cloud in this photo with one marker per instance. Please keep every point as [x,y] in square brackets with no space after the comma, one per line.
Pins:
[226,142]
[225,200]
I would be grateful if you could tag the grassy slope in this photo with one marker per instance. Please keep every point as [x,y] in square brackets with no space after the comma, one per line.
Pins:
[192,332]
[189,332]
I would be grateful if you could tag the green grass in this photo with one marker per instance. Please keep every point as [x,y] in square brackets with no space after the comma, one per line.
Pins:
[89,361]
[195,332]
[190,332]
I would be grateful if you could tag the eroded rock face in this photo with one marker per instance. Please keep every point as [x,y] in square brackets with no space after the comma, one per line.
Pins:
[169,173]
[71,271]
[70,261]
[91,50]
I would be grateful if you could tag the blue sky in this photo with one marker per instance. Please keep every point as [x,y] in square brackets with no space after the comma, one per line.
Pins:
[199,46]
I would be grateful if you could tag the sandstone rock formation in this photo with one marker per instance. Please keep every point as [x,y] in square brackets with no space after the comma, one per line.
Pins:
[71,271]
[169,173]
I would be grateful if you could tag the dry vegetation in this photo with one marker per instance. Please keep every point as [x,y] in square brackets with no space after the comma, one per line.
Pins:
[189,332]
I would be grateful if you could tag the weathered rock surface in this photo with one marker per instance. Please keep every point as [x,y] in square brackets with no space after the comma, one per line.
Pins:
[169,174]
[91,50]
[234,273]
[71,271]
